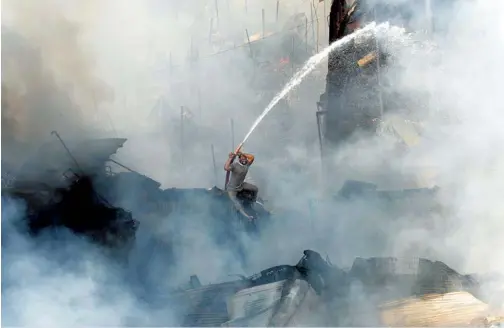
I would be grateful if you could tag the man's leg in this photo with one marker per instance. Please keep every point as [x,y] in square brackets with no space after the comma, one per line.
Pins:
[252,189]
[237,204]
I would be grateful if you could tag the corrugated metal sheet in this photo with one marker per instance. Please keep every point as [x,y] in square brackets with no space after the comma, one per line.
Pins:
[254,300]
[272,305]
[206,306]
[293,298]
[205,319]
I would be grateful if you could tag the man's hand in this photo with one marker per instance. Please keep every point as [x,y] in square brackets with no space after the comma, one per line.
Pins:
[227,165]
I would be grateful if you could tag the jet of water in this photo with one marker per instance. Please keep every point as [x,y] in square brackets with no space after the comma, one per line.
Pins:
[308,67]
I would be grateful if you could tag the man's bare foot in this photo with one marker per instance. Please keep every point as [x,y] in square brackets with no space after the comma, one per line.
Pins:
[250,218]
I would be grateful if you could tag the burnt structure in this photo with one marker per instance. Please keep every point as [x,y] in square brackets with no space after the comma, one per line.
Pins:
[315,292]
[59,190]
[355,98]
[76,185]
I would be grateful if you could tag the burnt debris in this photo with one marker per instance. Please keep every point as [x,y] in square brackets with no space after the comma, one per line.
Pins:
[280,295]
[75,185]
[80,209]
[57,185]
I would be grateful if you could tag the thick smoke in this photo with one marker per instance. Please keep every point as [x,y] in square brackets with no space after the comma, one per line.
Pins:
[49,80]
[88,68]
[456,82]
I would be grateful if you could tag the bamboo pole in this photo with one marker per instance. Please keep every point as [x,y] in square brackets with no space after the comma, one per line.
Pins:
[214,164]
[191,52]
[171,63]
[306,34]
[277,9]
[325,21]
[182,133]
[320,111]
[317,21]
[250,44]
[232,135]
[319,130]
[210,31]
[318,27]
[263,24]
[378,72]
[217,11]
[292,55]
[199,101]
[312,20]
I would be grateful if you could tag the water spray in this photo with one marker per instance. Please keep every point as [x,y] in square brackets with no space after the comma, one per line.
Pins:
[308,67]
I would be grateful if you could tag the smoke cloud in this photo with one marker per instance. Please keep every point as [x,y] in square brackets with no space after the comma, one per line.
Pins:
[93,68]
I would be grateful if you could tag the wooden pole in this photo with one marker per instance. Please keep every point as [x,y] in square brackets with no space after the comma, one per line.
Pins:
[199,101]
[214,165]
[277,9]
[312,20]
[378,72]
[292,55]
[306,34]
[320,135]
[171,63]
[232,135]
[182,133]
[250,44]
[210,31]
[320,111]
[217,11]
[315,12]
[263,24]
[246,9]
[251,55]
[325,22]
[191,52]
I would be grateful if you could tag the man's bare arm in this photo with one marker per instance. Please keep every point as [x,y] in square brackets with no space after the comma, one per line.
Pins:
[250,158]
[227,165]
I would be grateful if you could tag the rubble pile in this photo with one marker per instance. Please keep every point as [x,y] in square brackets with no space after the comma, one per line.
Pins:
[314,292]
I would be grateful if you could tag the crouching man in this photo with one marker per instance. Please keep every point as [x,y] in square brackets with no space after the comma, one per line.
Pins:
[237,182]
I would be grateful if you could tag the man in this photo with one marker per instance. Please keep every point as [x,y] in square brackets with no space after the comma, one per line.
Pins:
[237,182]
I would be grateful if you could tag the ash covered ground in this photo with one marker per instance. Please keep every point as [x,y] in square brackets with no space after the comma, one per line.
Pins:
[95,70]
